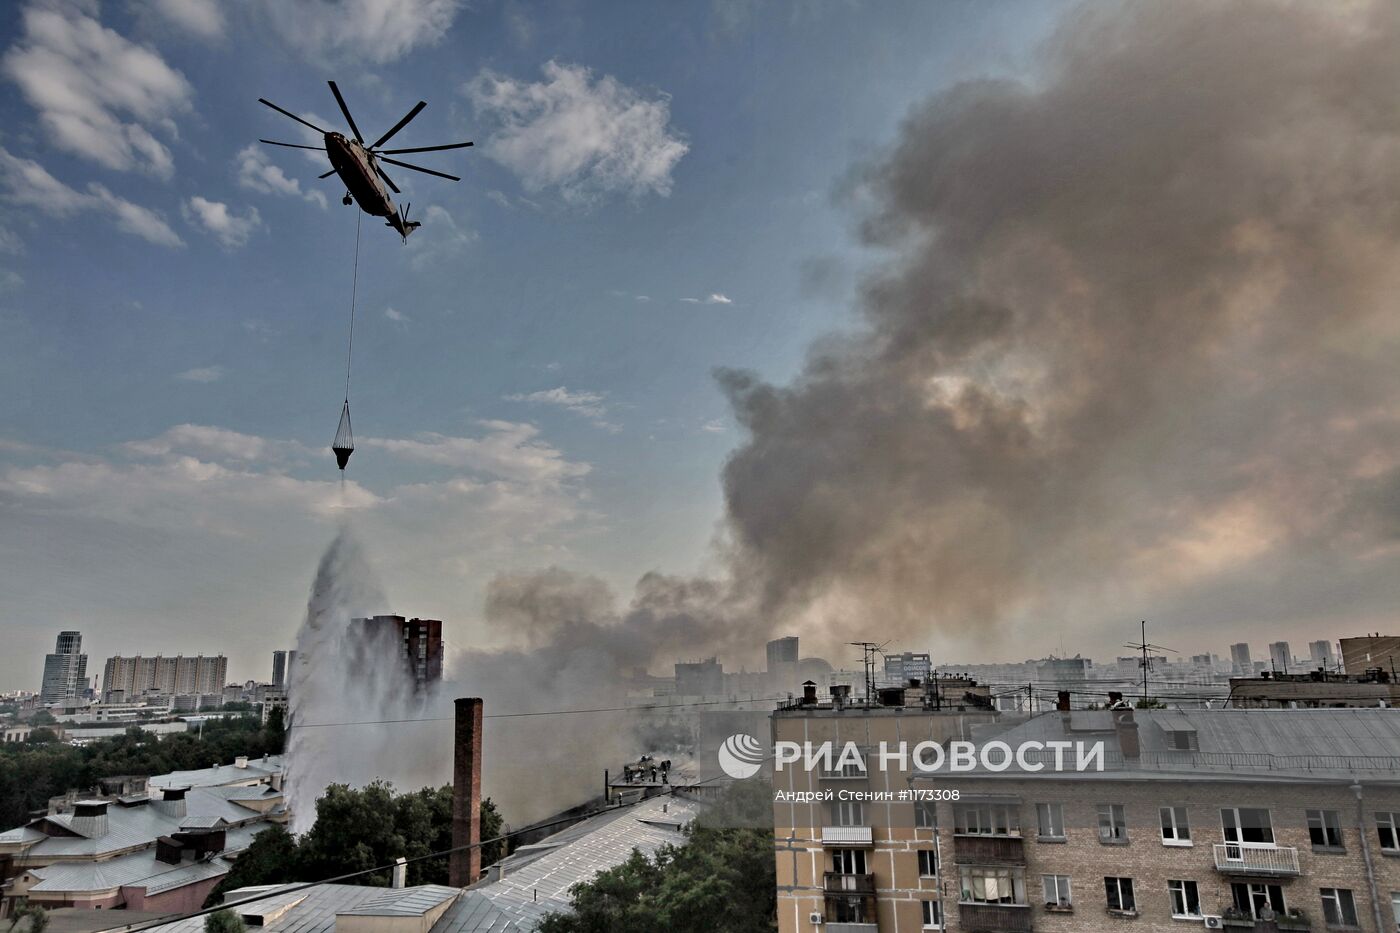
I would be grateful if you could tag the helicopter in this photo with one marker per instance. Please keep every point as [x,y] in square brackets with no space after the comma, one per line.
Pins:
[357,164]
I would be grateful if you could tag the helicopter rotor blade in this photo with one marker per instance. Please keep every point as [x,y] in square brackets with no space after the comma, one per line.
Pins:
[419,168]
[400,125]
[387,180]
[423,149]
[346,110]
[273,142]
[288,113]
[327,174]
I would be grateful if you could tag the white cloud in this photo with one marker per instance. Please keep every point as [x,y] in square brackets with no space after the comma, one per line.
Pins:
[508,450]
[201,18]
[10,242]
[589,405]
[214,443]
[216,218]
[395,315]
[585,137]
[377,31]
[715,298]
[713,426]
[257,173]
[202,374]
[446,240]
[29,184]
[97,93]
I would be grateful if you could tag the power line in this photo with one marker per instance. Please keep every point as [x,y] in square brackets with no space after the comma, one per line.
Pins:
[552,712]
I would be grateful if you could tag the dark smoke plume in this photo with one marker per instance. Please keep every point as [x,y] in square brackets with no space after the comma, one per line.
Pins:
[1132,349]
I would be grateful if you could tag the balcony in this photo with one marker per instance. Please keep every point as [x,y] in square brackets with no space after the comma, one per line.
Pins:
[1002,918]
[842,927]
[847,836]
[988,850]
[840,883]
[1236,858]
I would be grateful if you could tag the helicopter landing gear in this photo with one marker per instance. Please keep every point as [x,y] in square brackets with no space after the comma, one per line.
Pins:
[346,200]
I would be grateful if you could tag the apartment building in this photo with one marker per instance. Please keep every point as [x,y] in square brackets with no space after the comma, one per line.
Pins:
[1227,819]
[852,865]
[127,678]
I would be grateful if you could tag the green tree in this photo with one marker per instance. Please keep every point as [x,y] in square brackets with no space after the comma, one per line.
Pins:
[224,921]
[271,858]
[38,918]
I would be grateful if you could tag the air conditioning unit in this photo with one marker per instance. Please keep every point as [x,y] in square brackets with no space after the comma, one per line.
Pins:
[1213,922]
[815,918]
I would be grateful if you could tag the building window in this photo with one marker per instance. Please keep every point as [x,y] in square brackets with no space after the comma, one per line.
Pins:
[1113,823]
[851,769]
[1325,829]
[933,915]
[848,813]
[1338,907]
[925,816]
[1389,826]
[848,862]
[1050,818]
[1056,890]
[1247,825]
[1395,907]
[986,819]
[928,863]
[1253,898]
[987,885]
[1186,900]
[1176,831]
[1119,892]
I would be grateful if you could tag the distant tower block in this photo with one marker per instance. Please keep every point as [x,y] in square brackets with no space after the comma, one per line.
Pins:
[465,865]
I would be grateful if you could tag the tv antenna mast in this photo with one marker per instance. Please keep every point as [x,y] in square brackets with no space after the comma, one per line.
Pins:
[1144,646]
[868,650]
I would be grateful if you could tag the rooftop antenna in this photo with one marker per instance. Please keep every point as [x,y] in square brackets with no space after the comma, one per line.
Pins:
[868,650]
[1144,646]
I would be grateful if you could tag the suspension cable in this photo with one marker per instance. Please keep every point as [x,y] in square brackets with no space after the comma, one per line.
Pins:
[354,287]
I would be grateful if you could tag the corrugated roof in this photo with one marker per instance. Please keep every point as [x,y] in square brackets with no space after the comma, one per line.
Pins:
[129,827]
[140,869]
[536,881]
[219,775]
[405,902]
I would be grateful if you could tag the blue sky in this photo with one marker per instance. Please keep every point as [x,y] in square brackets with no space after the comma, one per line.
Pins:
[533,370]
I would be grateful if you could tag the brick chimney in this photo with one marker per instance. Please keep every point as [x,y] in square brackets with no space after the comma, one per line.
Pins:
[1127,728]
[465,865]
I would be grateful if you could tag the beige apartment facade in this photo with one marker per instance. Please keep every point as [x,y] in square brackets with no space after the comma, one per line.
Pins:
[1217,819]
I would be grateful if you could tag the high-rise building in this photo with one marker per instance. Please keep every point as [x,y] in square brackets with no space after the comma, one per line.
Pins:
[1280,656]
[175,676]
[65,671]
[282,664]
[418,642]
[1323,654]
[1240,659]
[782,660]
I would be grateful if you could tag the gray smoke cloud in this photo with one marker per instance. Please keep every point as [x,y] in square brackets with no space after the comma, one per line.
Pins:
[1131,348]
